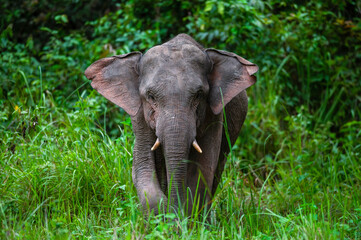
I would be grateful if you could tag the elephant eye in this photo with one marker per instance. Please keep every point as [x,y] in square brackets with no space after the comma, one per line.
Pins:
[198,95]
[150,96]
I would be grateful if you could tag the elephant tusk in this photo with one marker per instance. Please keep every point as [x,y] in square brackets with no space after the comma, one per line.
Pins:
[156,145]
[196,146]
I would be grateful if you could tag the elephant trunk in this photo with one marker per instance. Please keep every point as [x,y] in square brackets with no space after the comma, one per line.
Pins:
[176,137]
[176,165]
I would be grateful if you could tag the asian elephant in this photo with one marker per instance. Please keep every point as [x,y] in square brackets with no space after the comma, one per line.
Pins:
[178,95]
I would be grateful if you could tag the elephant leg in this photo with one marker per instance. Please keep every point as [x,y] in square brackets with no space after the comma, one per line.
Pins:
[202,166]
[236,112]
[144,172]
[145,180]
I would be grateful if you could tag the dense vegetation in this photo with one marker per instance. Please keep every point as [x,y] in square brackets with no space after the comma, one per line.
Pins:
[65,151]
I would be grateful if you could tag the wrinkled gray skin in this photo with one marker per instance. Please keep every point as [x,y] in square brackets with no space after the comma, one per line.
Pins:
[174,93]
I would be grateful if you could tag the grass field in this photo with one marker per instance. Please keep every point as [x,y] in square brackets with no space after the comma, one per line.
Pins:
[62,177]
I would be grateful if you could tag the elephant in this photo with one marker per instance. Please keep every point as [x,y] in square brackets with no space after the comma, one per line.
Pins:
[187,105]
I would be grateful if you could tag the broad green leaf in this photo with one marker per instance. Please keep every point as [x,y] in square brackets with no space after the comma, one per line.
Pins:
[209,6]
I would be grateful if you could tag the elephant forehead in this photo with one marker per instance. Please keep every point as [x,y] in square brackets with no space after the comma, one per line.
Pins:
[173,67]
[186,55]
[172,79]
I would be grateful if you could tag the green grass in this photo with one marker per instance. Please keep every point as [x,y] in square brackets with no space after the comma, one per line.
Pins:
[63,176]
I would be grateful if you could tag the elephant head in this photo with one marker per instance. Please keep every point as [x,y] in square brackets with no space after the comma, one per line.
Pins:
[169,92]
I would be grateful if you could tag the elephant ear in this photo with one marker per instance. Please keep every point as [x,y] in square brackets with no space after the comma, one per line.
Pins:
[116,78]
[230,75]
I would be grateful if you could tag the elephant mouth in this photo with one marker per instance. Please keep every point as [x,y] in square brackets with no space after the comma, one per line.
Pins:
[194,144]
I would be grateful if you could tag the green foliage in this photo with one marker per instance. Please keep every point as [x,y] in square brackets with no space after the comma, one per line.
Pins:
[65,151]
